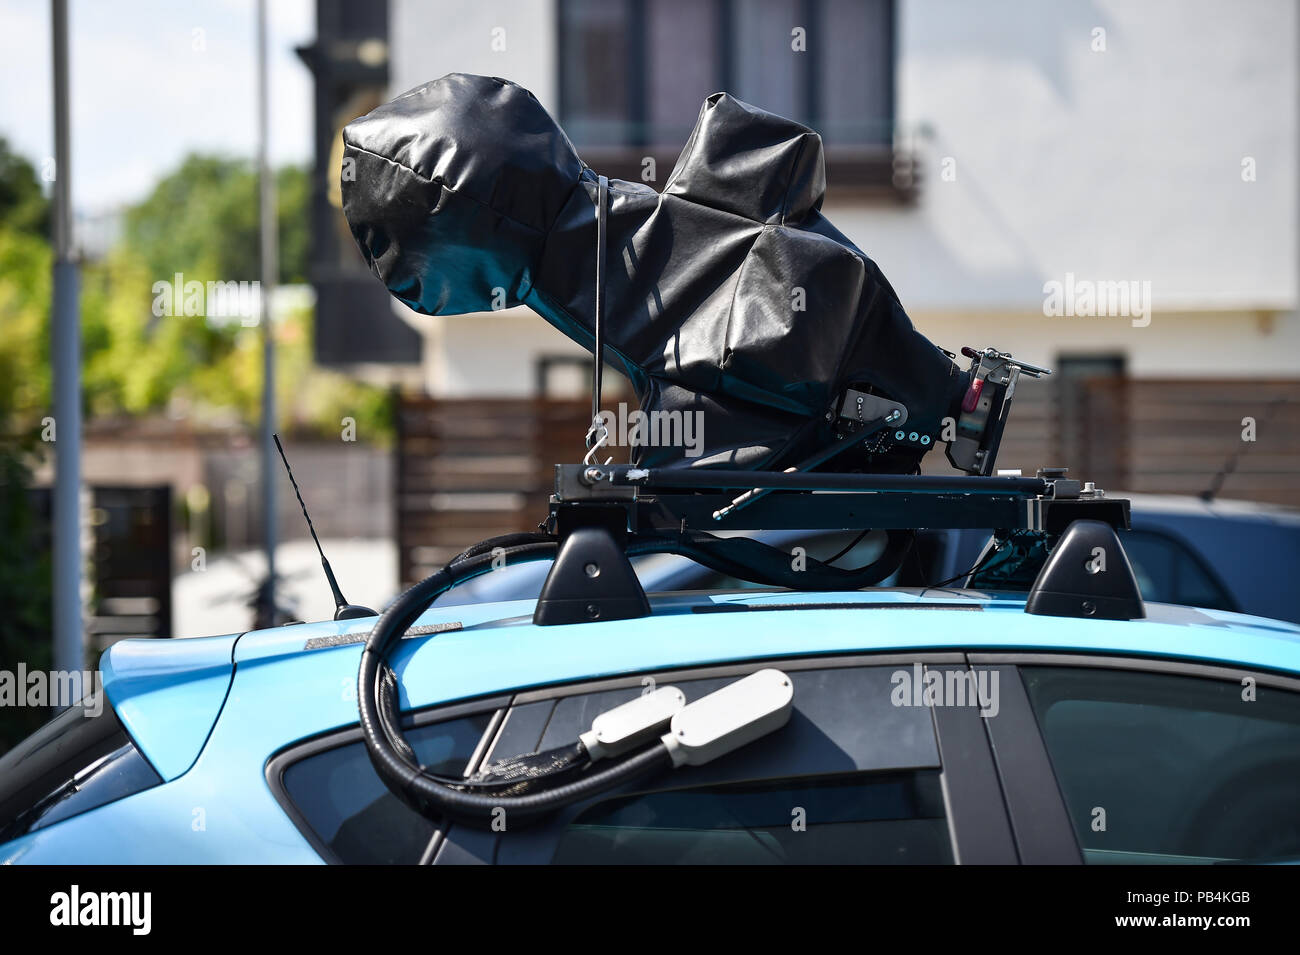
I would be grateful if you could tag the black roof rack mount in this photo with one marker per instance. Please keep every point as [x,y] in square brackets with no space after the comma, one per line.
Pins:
[1087,575]
[601,514]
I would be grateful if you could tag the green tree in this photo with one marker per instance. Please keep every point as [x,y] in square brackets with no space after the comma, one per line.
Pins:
[25,593]
[22,206]
[25,289]
[202,220]
[24,389]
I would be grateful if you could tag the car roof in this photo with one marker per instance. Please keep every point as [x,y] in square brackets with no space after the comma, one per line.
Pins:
[1175,504]
[295,682]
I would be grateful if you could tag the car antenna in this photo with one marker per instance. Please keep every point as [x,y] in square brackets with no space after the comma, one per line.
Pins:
[1216,482]
[342,609]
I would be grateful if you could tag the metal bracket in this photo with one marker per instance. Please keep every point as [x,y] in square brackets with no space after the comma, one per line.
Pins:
[985,407]
[596,511]
[675,499]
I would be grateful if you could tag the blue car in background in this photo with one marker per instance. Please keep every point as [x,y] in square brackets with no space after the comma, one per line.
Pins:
[1174,738]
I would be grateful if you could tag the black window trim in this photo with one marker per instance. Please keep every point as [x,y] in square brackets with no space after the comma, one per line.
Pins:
[111,736]
[802,662]
[1181,666]
[977,809]
[1040,820]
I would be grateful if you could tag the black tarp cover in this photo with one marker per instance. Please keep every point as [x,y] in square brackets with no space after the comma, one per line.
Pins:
[464,195]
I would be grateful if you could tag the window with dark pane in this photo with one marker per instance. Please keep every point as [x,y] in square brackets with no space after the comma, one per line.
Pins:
[872,818]
[1167,572]
[1158,768]
[634,73]
[350,810]
[597,103]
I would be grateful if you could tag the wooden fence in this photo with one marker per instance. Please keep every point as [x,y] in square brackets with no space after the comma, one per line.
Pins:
[1238,437]
[473,468]
[1182,436]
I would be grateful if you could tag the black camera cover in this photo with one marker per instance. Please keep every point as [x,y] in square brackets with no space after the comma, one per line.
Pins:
[728,293]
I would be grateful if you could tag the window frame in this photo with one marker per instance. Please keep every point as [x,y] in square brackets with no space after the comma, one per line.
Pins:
[301,749]
[47,761]
[1035,801]
[1002,799]
[973,801]
[863,171]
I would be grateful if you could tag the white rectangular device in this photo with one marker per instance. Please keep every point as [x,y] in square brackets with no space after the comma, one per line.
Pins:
[728,718]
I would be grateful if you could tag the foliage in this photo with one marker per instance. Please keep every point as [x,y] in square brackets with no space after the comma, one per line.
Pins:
[22,206]
[24,385]
[25,287]
[202,220]
[25,594]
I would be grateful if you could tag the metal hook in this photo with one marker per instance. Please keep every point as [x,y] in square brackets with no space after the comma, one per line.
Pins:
[600,432]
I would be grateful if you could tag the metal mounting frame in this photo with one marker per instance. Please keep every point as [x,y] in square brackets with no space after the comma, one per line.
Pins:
[597,510]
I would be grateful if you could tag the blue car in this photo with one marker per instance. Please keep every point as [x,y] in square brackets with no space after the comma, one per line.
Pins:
[1174,738]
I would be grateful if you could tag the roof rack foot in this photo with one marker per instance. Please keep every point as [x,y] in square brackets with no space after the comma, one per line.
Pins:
[1087,575]
[590,580]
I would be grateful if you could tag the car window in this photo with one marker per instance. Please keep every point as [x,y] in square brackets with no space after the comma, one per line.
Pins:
[1168,571]
[1162,768]
[352,813]
[855,776]
[81,760]
[880,819]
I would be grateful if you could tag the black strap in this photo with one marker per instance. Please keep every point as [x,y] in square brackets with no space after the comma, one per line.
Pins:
[598,351]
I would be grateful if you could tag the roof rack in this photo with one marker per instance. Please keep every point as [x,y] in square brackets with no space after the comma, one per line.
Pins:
[1042,526]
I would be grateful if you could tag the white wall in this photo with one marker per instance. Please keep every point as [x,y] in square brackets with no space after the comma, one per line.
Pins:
[1115,165]
[491,353]
[1122,165]
[1197,344]
[431,39]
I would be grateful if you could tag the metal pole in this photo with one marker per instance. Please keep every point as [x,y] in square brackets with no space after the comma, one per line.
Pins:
[270,266]
[69,648]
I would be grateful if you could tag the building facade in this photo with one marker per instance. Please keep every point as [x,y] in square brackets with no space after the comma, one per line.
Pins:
[1100,183]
